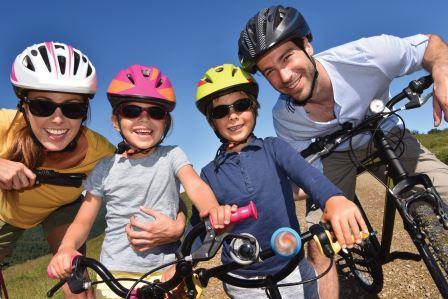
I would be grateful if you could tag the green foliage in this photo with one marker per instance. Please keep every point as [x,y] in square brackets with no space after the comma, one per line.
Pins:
[436,142]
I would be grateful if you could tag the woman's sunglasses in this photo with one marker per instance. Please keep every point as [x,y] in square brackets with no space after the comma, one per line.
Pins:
[44,108]
[133,111]
[240,105]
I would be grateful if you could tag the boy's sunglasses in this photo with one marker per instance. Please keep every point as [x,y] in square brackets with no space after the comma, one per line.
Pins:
[240,105]
[45,108]
[133,111]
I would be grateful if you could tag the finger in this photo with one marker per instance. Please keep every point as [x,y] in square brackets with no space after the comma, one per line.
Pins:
[30,175]
[437,111]
[146,226]
[234,208]
[355,229]
[361,222]
[227,214]
[337,231]
[346,231]
[221,216]
[16,184]
[151,212]
[24,181]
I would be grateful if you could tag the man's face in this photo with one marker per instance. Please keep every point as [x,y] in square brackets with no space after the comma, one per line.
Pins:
[289,70]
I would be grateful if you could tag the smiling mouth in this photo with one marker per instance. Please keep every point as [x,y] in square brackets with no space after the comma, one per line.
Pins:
[294,83]
[143,132]
[235,128]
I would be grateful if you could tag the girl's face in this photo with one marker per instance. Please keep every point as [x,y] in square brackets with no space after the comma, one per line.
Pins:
[237,125]
[56,130]
[142,124]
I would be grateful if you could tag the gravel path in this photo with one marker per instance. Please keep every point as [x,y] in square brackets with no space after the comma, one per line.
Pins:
[402,279]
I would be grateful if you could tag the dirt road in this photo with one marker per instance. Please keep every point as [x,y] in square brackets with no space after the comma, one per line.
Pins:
[402,279]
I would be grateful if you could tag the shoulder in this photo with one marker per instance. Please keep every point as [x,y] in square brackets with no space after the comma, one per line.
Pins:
[171,150]
[98,143]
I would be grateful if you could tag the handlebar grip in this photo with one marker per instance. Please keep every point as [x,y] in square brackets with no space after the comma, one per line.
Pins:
[249,211]
[421,84]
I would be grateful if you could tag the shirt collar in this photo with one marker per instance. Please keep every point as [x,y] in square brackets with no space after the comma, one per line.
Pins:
[253,144]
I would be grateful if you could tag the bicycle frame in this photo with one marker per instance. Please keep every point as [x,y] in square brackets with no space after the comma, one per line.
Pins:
[3,290]
[401,182]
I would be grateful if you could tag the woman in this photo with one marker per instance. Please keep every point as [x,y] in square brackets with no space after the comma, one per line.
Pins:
[54,83]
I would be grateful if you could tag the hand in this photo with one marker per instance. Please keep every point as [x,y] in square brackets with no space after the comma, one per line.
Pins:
[162,230]
[440,98]
[61,264]
[15,175]
[219,215]
[346,220]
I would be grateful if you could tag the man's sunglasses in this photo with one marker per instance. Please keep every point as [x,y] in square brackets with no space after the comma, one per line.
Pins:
[240,105]
[45,108]
[133,111]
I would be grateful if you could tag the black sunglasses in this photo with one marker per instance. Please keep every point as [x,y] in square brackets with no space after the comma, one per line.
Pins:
[133,111]
[240,105]
[45,108]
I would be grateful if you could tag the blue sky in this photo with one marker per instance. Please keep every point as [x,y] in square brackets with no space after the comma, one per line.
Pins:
[185,38]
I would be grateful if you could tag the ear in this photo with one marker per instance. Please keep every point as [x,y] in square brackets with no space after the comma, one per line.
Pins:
[308,47]
[114,120]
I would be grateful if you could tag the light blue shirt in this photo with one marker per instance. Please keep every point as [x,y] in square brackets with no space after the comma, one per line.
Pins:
[359,71]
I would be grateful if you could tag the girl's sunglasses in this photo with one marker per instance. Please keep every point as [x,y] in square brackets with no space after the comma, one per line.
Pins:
[240,105]
[44,108]
[133,111]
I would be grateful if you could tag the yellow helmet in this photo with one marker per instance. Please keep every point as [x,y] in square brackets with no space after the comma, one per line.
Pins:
[221,80]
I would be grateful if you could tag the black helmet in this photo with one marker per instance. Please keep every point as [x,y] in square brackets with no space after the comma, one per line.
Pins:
[268,28]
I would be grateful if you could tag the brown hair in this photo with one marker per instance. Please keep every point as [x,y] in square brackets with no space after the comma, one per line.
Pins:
[23,147]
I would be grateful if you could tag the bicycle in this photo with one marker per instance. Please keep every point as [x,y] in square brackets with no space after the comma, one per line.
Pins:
[424,216]
[45,176]
[245,250]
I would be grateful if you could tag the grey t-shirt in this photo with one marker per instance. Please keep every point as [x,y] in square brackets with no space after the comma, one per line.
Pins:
[125,185]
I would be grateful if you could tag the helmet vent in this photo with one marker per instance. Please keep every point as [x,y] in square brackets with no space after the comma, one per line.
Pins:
[76,63]
[219,69]
[28,64]
[34,52]
[234,70]
[208,80]
[159,83]
[61,60]
[44,55]
[84,59]
[59,47]
[89,70]
[130,78]
[146,73]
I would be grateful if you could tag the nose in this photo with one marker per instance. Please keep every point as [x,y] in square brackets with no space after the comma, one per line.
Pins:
[232,114]
[285,75]
[57,116]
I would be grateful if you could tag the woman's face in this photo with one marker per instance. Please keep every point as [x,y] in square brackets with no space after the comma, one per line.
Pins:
[55,131]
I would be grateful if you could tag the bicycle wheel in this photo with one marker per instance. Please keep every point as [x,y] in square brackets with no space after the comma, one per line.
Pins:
[432,228]
[363,263]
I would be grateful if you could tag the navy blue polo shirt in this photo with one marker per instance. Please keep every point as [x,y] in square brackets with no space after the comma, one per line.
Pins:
[260,173]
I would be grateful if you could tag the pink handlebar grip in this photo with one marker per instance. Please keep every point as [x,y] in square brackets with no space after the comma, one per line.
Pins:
[249,211]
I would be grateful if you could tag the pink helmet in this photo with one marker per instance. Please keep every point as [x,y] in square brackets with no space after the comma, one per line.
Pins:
[52,66]
[142,84]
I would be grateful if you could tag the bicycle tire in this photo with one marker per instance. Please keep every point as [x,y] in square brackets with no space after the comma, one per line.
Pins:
[363,263]
[436,234]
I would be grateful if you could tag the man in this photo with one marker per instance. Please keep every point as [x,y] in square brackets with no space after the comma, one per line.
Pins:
[319,93]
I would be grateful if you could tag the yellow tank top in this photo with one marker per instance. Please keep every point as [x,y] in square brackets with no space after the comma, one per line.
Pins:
[27,208]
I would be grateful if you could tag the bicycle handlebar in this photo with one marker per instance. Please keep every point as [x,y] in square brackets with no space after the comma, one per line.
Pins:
[47,176]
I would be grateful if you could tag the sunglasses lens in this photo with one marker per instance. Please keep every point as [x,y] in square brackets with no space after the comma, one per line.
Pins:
[131,111]
[41,108]
[220,111]
[242,105]
[74,110]
[239,106]
[156,113]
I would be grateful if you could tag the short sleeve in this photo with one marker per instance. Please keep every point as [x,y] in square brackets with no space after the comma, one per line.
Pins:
[178,159]
[95,181]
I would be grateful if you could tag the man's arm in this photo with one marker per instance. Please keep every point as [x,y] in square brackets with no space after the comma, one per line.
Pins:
[435,61]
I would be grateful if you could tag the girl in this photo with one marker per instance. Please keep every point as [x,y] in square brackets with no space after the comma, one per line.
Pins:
[247,167]
[143,174]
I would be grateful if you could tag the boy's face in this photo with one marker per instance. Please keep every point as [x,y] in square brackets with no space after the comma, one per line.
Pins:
[236,126]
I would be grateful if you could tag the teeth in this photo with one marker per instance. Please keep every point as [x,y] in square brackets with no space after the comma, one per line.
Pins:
[56,131]
[143,131]
[234,128]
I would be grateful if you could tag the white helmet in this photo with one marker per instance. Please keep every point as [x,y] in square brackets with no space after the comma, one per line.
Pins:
[53,66]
